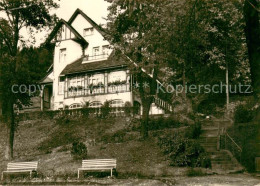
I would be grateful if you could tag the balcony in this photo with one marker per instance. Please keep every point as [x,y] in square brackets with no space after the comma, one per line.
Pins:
[90,91]
[90,59]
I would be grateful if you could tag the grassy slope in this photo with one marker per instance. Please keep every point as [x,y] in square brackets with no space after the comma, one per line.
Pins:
[135,157]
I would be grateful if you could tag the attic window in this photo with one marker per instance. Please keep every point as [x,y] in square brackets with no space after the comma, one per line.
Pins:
[88,31]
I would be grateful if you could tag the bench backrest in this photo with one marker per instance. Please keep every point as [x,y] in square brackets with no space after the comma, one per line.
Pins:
[99,163]
[22,166]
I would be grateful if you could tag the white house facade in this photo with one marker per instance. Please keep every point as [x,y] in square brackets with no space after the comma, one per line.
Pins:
[85,70]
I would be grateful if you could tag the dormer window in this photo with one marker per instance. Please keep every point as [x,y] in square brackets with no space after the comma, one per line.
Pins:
[88,31]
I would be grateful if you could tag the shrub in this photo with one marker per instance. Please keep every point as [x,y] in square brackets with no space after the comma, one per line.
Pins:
[184,152]
[194,131]
[79,150]
[243,114]
[162,123]
[128,108]
[105,110]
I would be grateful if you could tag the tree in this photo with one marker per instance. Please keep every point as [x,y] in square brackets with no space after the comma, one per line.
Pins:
[252,31]
[18,14]
[209,45]
[137,30]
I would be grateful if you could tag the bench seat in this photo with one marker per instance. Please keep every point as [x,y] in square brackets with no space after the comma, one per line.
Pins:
[19,167]
[98,165]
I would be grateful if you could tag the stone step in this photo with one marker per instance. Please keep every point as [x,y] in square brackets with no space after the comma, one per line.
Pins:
[209,135]
[215,157]
[208,139]
[226,166]
[209,148]
[206,128]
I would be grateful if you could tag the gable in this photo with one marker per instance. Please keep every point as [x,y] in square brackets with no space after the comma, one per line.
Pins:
[64,31]
[80,18]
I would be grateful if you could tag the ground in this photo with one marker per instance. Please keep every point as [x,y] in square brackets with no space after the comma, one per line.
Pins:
[140,162]
[213,180]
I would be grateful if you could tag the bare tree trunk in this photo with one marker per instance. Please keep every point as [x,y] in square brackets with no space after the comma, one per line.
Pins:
[145,118]
[227,89]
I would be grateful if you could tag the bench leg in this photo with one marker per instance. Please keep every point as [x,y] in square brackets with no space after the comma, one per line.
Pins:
[78,174]
[30,174]
[2,178]
[111,172]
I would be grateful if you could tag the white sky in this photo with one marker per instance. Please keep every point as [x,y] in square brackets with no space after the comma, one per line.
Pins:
[95,9]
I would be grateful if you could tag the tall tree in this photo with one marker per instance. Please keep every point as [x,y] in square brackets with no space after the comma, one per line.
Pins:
[18,14]
[136,28]
[252,31]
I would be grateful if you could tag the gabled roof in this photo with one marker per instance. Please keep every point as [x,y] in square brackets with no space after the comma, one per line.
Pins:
[111,63]
[93,23]
[79,39]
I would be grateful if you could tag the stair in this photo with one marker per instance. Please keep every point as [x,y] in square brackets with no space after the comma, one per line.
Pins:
[222,161]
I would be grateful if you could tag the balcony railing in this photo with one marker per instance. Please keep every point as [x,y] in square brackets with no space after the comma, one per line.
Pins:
[88,59]
[97,90]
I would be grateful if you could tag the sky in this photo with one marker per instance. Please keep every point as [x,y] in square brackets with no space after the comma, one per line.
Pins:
[95,9]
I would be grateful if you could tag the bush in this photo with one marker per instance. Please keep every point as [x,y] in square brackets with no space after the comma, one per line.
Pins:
[194,131]
[128,108]
[79,150]
[105,110]
[246,136]
[243,114]
[184,152]
[162,123]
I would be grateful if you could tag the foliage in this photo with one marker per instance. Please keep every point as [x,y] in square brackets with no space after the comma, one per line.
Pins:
[17,15]
[184,152]
[252,32]
[136,31]
[79,150]
[246,135]
[105,109]
[243,114]
[194,131]
[164,122]
[128,108]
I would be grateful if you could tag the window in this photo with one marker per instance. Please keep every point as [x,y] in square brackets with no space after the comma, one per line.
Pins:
[61,85]
[117,103]
[95,51]
[75,106]
[88,31]
[75,86]
[95,104]
[117,76]
[105,49]
[63,55]
[96,79]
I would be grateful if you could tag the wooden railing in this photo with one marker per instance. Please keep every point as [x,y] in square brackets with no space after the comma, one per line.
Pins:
[163,104]
[228,143]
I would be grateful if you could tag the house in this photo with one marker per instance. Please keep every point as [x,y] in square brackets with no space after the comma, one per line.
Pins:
[85,70]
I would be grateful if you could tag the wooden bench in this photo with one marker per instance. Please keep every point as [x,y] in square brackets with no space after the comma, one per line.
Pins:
[98,165]
[19,167]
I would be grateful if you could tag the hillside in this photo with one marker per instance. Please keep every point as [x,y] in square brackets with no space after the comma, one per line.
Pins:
[49,141]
